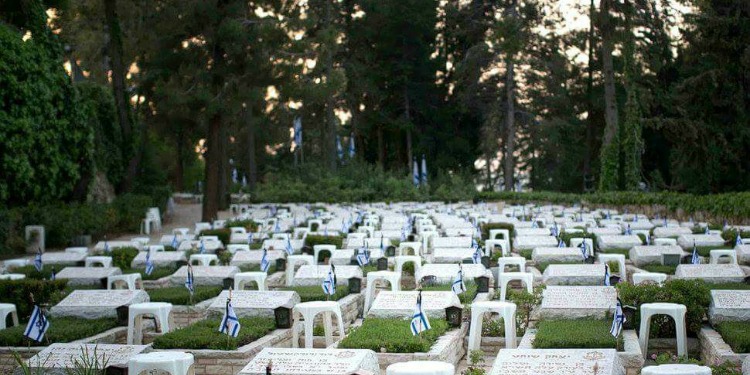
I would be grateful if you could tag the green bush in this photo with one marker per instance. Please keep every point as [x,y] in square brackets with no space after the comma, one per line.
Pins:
[728,286]
[315,293]
[205,335]
[249,225]
[157,274]
[18,291]
[312,240]
[730,235]
[736,334]
[393,335]
[485,229]
[669,270]
[694,294]
[45,274]
[575,334]
[566,236]
[61,330]
[224,234]
[122,257]
[705,251]
[466,297]
[179,295]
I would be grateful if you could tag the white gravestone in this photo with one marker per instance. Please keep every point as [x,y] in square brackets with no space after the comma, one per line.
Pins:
[342,257]
[205,275]
[58,359]
[95,304]
[446,273]
[87,275]
[556,255]
[701,240]
[743,254]
[557,362]
[729,305]
[451,255]
[606,231]
[400,305]
[62,258]
[210,246]
[254,303]
[644,255]
[572,302]
[612,242]
[574,274]
[533,232]
[662,232]
[308,275]
[242,258]
[159,259]
[531,242]
[287,361]
[712,273]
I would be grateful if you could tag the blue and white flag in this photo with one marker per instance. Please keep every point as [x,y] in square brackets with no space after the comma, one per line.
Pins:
[298,132]
[351,146]
[403,234]
[249,238]
[189,284]
[707,231]
[648,239]
[476,258]
[606,275]
[666,223]
[554,231]
[53,275]
[424,171]
[534,224]
[202,248]
[382,244]
[235,175]
[695,259]
[618,321]
[419,321]
[584,249]
[635,219]
[174,241]
[339,149]
[329,284]
[230,324]
[415,174]
[738,240]
[608,216]
[38,260]
[149,263]
[38,325]
[289,248]
[560,242]
[325,231]
[277,227]
[264,263]
[363,258]
[474,243]
[628,231]
[106,245]
[458,285]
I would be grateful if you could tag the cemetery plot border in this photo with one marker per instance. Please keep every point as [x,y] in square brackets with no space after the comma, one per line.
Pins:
[715,351]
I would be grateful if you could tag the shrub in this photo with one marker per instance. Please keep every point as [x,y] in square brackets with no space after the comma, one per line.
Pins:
[393,335]
[179,295]
[315,293]
[61,330]
[205,335]
[575,334]
[525,304]
[694,294]
[249,225]
[32,273]
[224,234]
[18,291]
[565,236]
[736,334]
[485,229]
[669,270]
[312,240]
[122,257]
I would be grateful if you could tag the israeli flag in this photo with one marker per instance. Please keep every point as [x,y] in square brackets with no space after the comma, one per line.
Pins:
[424,170]
[606,275]
[695,259]
[534,223]
[339,149]
[235,175]
[38,325]
[202,248]
[329,284]
[618,321]
[38,260]
[560,243]
[635,219]
[665,222]
[106,245]
[244,180]
[289,248]
[628,231]
[419,321]
[415,174]
[230,324]
[344,227]
[174,242]
[149,263]
[477,256]
[277,227]
[403,234]
[707,230]
[189,280]
[474,243]
[553,231]
[648,240]
[608,216]
[264,263]
[325,231]
[382,243]
[584,250]
[53,275]
[362,257]
[458,285]
[298,131]
[250,238]
[351,146]
[738,240]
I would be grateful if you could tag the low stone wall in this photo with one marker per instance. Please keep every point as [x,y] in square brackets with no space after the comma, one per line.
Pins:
[715,351]
[183,316]
[448,348]
[156,284]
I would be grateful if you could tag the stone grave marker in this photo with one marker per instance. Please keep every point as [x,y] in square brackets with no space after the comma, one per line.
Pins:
[531,242]
[401,304]
[159,258]
[62,258]
[58,359]
[557,362]
[574,274]
[315,274]
[712,273]
[87,275]
[556,255]
[251,257]
[644,255]
[287,361]
[253,302]
[729,305]
[572,302]
[451,255]
[95,304]
[612,242]
[701,240]
[446,273]
[205,275]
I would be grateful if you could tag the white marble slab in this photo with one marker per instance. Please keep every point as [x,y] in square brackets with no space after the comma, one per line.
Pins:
[557,362]
[712,273]
[401,305]
[159,259]
[531,242]
[729,305]
[556,255]
[308,275]
[254,303]
[87,275]
[701,240]
[313,362]
[242,258]
[644,255]
[609,242]
[59,359]
[204,275]
[95,304]
[572,302]
[574,274]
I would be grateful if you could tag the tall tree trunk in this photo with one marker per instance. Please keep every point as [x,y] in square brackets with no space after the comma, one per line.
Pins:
[225,173]
[179,173]
[213,154]
[587,177]
[330,133]
[610,144]
[510,127]
[407,116]
[252,166]
[117,66]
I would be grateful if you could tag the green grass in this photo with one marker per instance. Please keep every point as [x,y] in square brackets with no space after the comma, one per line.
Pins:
[526,253]
[61,330]
[256,268]
[157,274]
[466,297]
[728,286]
[705,251]
[179,295]
[669,270]
[394,335]
[575,334]
[315,292]
[205,335]
[736,334]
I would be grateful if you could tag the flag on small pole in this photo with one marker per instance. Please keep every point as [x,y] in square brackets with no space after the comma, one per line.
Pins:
[149,263]
[106,245]
[606,275]
[38,324]
[362,257]
[189,281]
[584,250]
[249,238]
[618,321]
[476,258]
[230,324]
[202,248]
[289,248]
[560,242]
[329,284]
[424,170]
[38,260]
[738,240]
[695,259]
[339,149]
[458,285]
[415,174]
[174,241]
[419,321]
[264,263]
[53,275]
[351,146]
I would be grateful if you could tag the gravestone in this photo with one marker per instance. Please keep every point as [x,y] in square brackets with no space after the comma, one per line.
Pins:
[729,305]
[614,242]
[531,242]
[401,305]
[253,302]
[95,304]
[662,232]
[58,359]
[210,246]
[342,257]
[557,362]
[451,255]
[533,232]
[574,274]
[701,240]
[63,258]
[712,273]
[287,361]
[159,259]
[308,275]
[743,254]
[644,255]
[252,257]
[204,275]
[87,275]
[572,302]
[556,255]
[446,273]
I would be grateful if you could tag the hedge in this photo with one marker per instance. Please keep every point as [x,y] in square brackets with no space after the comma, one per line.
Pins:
[485,229]
[61,330]
[312,240]
[122,257]
[205,335]
[575,334]
[224,234]
[736,334]
[17,292]
[249,225]
[393,336]
[179,295]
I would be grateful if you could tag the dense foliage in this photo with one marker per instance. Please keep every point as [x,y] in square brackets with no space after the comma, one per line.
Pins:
[393,336]
[205,335]
[575,334]
[61,330]
[18,292]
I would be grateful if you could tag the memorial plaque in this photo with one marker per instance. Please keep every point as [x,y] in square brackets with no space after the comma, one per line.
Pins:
[645,255]
[446,273]
[531,242]
[729,305]
[242,258]
[574,274]
[95,304]
[253,302]
[556,255]
[159,259]
[401,304]
[572,302]
[58,359]
[613,242]
[314,274]
[557,362]
[712,273]
[87,275]
[62,258]
[204,275]
[312,362]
